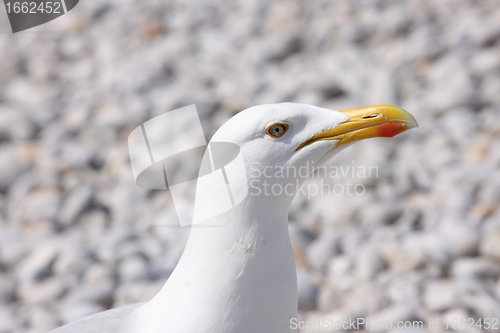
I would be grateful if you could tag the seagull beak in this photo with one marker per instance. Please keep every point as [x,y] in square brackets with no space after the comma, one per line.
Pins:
[365,123]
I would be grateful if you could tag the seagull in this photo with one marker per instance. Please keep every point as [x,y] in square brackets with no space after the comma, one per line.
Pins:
[240,276]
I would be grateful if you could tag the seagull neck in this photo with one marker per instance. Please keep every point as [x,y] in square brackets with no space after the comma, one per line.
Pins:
[251,221]
[244,270]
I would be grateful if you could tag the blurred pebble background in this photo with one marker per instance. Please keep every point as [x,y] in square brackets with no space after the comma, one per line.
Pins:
[422,241]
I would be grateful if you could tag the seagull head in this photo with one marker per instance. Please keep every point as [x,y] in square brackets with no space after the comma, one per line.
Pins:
[290,135]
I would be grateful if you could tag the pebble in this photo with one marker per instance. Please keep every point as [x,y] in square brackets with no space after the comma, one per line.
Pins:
[73,261]
[307,291]
[7,319]
[6,289]
[476,267]
[38,264]
[12,165]
[490,246]
[43,319]
[378,213]
[320,250]
[133,268]
[97,275]
[72,312]
[340,265]
[369,262]
[45,291]
[101,294]
[439,295]
[464,239]
[74,204]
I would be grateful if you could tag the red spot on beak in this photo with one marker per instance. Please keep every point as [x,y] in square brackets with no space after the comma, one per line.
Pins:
[391,129]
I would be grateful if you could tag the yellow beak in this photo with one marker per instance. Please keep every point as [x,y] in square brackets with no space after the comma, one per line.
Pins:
[365,123]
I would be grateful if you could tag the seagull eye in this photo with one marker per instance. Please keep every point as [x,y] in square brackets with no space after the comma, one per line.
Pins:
[277,130]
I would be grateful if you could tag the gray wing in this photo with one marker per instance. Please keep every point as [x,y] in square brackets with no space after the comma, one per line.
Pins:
[110,321]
